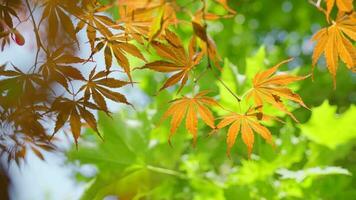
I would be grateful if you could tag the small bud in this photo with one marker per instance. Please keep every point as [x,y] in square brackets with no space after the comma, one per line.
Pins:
[18,38]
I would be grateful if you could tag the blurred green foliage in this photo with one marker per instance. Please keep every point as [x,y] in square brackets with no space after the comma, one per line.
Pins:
[315,159]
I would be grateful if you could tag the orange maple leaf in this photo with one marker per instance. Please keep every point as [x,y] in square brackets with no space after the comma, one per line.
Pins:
[58,13]
[178,60]
[270,89]
[246,124]
[73,111]
[95,22]
[58,67]
[190,107]
[332,41]
[147,17]
[342,5]
[119,47]
[97,87]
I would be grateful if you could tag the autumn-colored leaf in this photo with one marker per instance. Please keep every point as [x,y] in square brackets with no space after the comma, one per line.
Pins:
[333,43]
[147,18]
[95,22]
[190,107]
[118,46]
[58,14]
[342,5]
[20,88]
[73,111]
[97,87]
[207,45]
[270,88]
[58,67]
[247,124]
[176,60]
[7,29]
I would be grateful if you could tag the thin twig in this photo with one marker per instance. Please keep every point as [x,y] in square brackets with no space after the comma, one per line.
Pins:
[226,87]
[318,6]
[36,30]
[208,57]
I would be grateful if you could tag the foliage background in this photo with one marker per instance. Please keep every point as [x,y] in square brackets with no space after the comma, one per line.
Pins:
[315,159]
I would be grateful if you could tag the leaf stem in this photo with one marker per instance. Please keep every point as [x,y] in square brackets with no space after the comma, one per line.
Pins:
[208,57]
[317,5]
[226,87]
[166,171]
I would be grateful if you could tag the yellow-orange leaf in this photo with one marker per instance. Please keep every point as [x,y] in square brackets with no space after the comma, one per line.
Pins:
[190,107]
[147,17]
[178,60]
[270,88]
[247,124]
[118,46]
[342,5]
[333,43]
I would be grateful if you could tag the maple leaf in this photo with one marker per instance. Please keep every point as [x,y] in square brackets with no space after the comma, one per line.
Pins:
[269,88]
[207,45]
[333,43]
[97,87]
[57,67]
[342,5]
[21,88]
[74,111]
[147,17]
[57,13]
[118,46]
[190,107]
[22,104]
[7,12]
[95,22]
[247,124]
[178,60]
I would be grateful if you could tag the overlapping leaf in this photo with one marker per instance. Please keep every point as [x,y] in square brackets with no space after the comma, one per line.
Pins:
[95,22]
[119,47]
[58,67]
[20,88]
[333,43]
[73,111]
[270,88]
[7,13]
[57,14]
[189,108]
[177,60]
[146,17]
[200,26]
[97,87]
[247,124]
[207,45]
[342,5]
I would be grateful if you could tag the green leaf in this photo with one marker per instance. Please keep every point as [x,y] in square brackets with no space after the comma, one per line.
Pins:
[255,64]
[328,128]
